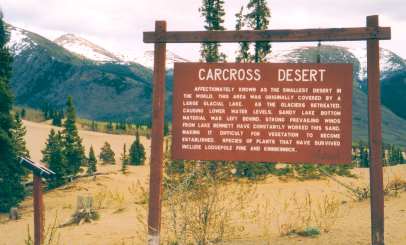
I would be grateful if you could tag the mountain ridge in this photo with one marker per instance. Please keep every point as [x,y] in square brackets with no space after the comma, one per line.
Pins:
[45,72]
[85,48]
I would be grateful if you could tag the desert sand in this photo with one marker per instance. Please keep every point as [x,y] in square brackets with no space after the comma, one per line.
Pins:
[120,208]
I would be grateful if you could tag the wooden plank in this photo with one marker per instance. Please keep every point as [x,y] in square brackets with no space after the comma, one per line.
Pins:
[39,218]
[298,35]
[375,138]
[155,183]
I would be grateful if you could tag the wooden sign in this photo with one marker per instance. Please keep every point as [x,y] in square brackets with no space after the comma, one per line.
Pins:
[293,113]
[336,77]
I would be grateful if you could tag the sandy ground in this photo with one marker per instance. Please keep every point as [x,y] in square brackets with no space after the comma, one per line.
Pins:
[37,134]
[120,208]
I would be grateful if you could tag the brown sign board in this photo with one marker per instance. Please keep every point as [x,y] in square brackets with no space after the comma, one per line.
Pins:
[269,112]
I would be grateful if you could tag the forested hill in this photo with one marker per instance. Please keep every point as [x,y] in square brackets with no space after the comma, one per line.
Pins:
[106,86]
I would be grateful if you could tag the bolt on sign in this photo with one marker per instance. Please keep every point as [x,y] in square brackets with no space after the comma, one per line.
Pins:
[293,113]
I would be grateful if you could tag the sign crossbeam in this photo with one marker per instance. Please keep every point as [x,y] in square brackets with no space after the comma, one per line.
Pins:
[298,35]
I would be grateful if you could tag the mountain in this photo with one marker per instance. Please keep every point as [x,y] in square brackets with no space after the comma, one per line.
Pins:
[147,59]
[45,73]
[392,67]
[85,49]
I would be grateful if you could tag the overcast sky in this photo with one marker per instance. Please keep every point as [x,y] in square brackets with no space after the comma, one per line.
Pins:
[118,24]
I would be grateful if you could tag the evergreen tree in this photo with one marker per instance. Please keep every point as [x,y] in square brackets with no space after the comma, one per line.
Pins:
[18,133]
[166,129]
[364,158]
[213,13]
[11,173]
[23,113]
[94,126]
[53,155]
[258,19]
[107,154]
[57,117]
[91,162]
[109,126]
[392,155]
[137,151]
[73,149]
[124,160]
[243,54]
[401,158]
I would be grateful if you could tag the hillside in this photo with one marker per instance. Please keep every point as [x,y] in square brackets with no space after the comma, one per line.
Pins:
[105,86]
[46,73]
[393,74]
[392,66]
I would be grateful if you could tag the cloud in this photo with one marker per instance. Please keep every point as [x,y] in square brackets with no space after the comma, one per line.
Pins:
[118,24]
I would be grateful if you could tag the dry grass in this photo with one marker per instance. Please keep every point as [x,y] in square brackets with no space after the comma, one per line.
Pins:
[52,236]
[298,215]
[395,186]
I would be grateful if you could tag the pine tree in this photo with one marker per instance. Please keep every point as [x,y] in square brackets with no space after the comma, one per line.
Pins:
[18,133]
[258,19]
[213,13]
[166,129]
[124,160]
[243,54]
[94,126]
[11,173]
[364,158]
[23,113]
[53,155]
[107,154]
[91,162]
[401,158]
[57,117]
[137,151]
[391,155]
[73,149]
[109,126]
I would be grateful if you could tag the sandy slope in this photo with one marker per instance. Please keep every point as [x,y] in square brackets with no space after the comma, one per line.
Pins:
[37,134]
[120,208]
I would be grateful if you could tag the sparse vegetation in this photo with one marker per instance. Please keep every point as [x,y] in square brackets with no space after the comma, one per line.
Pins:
[304,216]
[85,212]
[52,236]
[29,114]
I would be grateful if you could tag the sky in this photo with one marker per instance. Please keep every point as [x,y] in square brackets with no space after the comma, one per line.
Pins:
[117,25]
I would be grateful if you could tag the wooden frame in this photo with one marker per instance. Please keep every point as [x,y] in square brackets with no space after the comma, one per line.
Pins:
[372,33]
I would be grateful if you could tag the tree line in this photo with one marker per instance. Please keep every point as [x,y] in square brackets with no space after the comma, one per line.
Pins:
[65,155]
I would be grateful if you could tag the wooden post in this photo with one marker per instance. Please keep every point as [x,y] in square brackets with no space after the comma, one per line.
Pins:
[375,137]
[38,211]
[155,183]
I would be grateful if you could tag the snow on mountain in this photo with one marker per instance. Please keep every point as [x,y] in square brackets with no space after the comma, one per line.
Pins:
[147,59]
[19,41]
[389,62]
[85,48]
[285,56]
